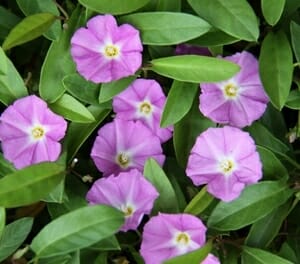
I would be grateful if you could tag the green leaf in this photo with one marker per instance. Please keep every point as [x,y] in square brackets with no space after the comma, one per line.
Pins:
[110,243]
[7,21]
[235,17]
[5,166]
[28,29]
[115,7]
[272,10]
[179,92]
[255,202]
[167,28]
[30,7]
[295,37]
[258,256]
[71,109]
[13,236]
[276,67]
[195,69]
[168,5]
[3,64]
[2,219]
[78,133]
[30,184]
[55,260]
[167,201]
[109,90]
[82,89]
[293,101]
[77,229]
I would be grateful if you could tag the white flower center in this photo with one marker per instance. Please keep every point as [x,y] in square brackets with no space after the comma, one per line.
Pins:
[37,132]
[145,108]
[128,210]
[231,90]
[227,166]
[123,160]
[111,51]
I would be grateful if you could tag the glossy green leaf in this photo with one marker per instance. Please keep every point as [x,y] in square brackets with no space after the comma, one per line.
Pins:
[179,102]
[167,28]
[109,90]
[276,67]
[28,29]
[81,89]
[13,236]
[295,37]
[78,133]
[58,62]
[115,7]
[195,69]
[110,243]
[55,260]
[30,7]
[30,184]
[3,64]
[168,5]
[235,17]
[2,219]
[259,256]
[77,229]
[71,109]
[7,21]
[293,101]
[255,202]
[272,10]
[167,201]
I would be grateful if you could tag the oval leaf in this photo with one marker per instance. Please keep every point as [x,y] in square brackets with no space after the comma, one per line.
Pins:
[115,7]
[293,101]
[272,10]
[28,29]
[195,69]
[235,17]
[77,229]
[29,184]
[167,28]
[295,37]
[68,107]
[255,202]
[276,67]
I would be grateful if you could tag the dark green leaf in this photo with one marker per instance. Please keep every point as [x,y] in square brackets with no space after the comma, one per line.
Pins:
[110,243]
[7,21]
[77,229]
[287,252]
[167,28]
[5,166]
[115,7]
[28,29]
[13,236]
[195,69]
[255,202]
[30,184]
[235,17]
[272,10]
[295,37]
[293,101]
[55,260]
[180,100]
[168,5]
[276,67]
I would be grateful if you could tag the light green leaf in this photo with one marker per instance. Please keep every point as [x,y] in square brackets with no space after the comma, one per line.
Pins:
[77,229]
[30,184]
[235,17]
[255,202]
[71,109]
[259,256]
[276,67]
[195,69]
[272,10]
[3,64]
[179,102]
[115,7]
[167,201]
[295,37]
[28,29]
[2,219]
[30,7]
[55,260]
[13,236]
[167,28]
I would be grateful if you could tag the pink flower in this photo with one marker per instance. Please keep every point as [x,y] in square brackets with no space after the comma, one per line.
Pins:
[226,160]
[168,235]
[129,192]
[211,259]
[122,145]
[30,132]
[104,52]
[143,100]
[238,101]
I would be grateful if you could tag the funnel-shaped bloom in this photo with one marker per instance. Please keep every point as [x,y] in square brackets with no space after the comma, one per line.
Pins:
[104,51]
[226,160]
[30,131]
[168,235]
[238,101]
[129,192]
[122,145]
[143,100]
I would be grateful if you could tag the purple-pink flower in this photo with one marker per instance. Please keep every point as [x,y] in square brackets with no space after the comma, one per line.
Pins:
[122,145]
[104,51]
[129,192]
[239,100]
[143,100]
[30,131]
[211,259]
[169,235]
[226,160]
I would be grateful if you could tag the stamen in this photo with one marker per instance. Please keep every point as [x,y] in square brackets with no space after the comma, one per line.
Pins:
[123,160]
[37,132]
[128,211]
[182,239]
[227,166]
[230,90]
[111,51]
[145,108]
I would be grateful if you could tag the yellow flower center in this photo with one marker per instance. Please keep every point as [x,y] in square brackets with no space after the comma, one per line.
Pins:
[111,51]
[230,90]
[37,132]
[123,160]
[182,239]
[227,166]
[145,108]
[128,211]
